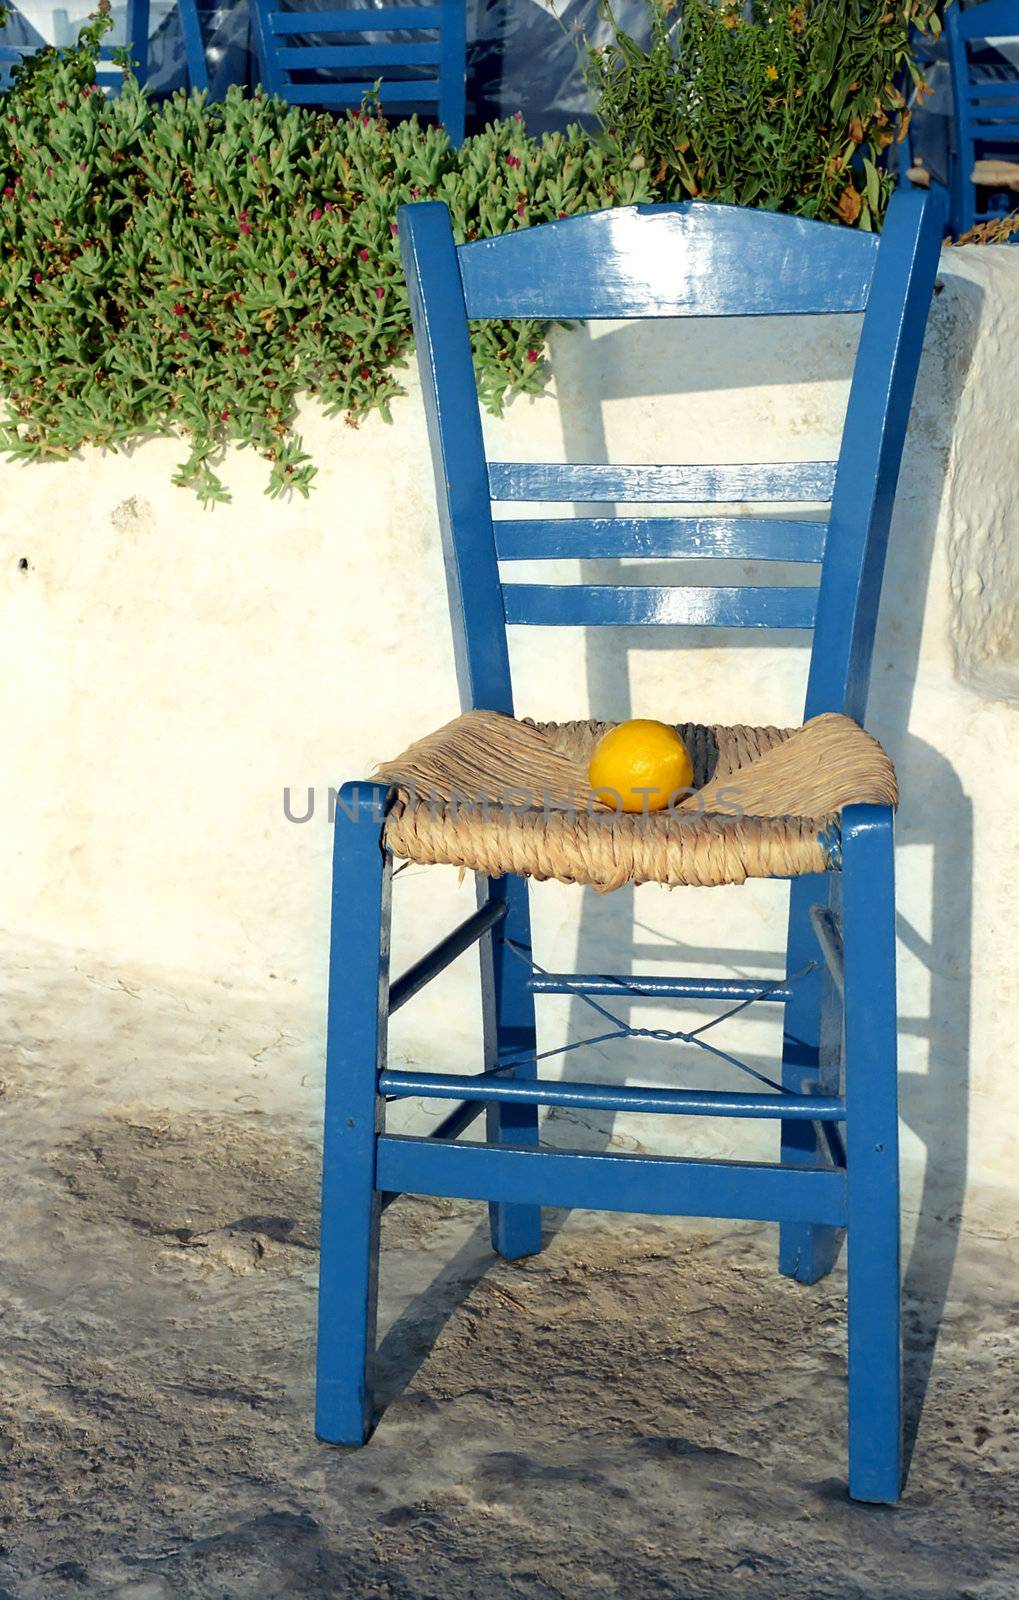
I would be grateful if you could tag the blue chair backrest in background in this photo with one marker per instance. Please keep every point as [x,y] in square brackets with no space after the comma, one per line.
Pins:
[425,72]
[109,75]
[986,110]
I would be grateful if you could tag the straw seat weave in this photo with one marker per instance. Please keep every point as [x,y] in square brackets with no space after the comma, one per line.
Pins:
[493,794]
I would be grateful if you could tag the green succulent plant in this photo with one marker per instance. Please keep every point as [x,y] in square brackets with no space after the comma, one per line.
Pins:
[782,104]
[197,267]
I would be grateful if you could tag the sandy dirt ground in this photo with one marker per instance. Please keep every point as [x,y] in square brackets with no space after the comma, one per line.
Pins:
[643,1411]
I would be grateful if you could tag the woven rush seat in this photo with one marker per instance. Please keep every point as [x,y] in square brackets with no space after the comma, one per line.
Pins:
[493,794]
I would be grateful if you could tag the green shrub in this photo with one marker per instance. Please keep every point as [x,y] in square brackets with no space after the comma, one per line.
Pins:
[786,105]
[197,267]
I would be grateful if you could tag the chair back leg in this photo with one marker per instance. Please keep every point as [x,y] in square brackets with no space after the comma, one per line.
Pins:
[807,1250]
[510,1036]
[872,1155]
[355,1054]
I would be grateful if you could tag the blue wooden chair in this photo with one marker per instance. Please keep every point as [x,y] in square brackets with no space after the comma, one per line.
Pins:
[668,261]
[299,71]
[985,111]
[109,75]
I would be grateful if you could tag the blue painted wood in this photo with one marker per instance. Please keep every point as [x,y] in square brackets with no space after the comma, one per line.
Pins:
[587,538]
[453,69]
[654,1185]
[807,1251]
[595,605]
[281,56]
[361,55]
[829,938]
[693,259]
[109,75]
[510,1036]
[354,1113]
[492,1086]
[872,1134]
[356,19]
[458,456]
[881,393]
[423,90]
[822,1182]
[650,987]
[194,46]
[781,480]
[445,952]
[138,36]
[979,129]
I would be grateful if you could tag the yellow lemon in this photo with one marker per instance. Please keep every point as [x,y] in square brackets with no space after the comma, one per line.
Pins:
[637,757]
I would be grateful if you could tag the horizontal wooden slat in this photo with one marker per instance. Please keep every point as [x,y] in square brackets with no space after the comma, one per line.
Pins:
[976,92]
[669,261]
[730,484]
[596,605]
[579,538]
[351,94]
[295,58]
[987,130]
[365,19]
[654,1185]
[496,1088]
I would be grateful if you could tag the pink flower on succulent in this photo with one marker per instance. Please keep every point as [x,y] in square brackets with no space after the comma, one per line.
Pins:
[83,165]
[415,193]
[292,273]
[8,191]
[363,254]
[49,172]
[513,161]
[365,374]
[532,355]
[224,415]
[246,228]
[518,116]
[521,211]
[316,214]
[330,205]
[37,277]
[245,350]
[183,334]
[179,310]
[394,229]
[380,293]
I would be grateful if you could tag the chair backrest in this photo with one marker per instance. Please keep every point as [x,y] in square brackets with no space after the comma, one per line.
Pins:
[425,71]
[985,108]
[673,261]
[109,76]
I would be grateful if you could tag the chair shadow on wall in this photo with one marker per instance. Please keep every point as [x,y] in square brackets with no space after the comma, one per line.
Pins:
[934,1102]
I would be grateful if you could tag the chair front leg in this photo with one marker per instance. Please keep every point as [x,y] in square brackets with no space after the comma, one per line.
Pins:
[355,1055]
[807,1250]
[510,1036]
[872,1154]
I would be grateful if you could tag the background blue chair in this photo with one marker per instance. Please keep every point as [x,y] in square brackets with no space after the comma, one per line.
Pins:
[424,73]
[668,261]
[109,75]
[985,110]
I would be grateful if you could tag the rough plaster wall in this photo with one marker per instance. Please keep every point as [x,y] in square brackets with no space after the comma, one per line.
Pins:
[983,531]
[165,672]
